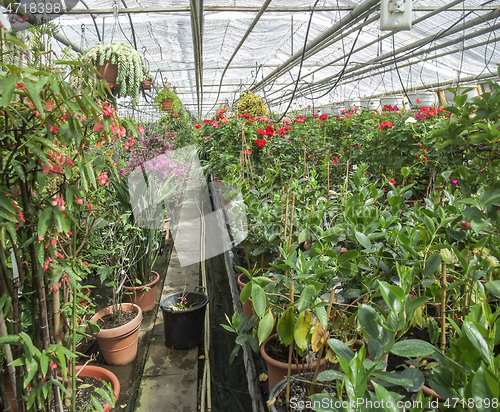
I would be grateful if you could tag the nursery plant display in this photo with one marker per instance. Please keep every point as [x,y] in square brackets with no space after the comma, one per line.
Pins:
[344,223]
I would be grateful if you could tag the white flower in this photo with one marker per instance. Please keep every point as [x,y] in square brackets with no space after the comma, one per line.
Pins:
[410,120]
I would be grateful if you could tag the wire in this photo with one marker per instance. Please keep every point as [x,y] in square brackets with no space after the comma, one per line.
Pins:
[301,62]
[397,71]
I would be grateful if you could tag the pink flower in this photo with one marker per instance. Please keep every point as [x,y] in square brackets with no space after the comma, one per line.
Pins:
[102,178]
[99,127]
[122,132]
[78,200]
[224,120]
[49,106]
[59,201]
[141,130]
[53,129]
[206,138]
[216,125]
[335,159]
[454,181]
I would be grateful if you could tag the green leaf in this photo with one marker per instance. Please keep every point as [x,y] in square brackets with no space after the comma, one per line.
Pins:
[259,299]
[330,375]
[363,240]
[265,327]
[306,298]
[341,349]
[485,386]
[286,326]
[368,318]
[412,348]
[96,404]
[393,296]
[477,341]
[44,221]
[429,224]
[493,287]
[8,89]
[91,174]
[246,292]
[389,402]
[38,152]
[303,235]
[34,96]
[302,330]
[432,264]
[19,169]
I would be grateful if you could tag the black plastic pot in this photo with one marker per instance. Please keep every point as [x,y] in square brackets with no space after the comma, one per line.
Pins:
[184,328]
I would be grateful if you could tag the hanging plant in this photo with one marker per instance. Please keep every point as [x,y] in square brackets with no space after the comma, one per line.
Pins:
[252,105]
[166,94]
[131,70]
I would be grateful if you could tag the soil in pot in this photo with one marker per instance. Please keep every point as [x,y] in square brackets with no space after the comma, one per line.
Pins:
[143,296]
[85,388]
[114,320]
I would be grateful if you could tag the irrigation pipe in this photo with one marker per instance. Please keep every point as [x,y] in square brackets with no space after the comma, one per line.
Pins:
[206,388]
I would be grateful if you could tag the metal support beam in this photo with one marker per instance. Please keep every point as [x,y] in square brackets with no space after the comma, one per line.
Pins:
[243,9]
[197,32]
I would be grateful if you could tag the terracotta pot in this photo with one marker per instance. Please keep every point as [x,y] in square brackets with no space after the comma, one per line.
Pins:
[109,72]
[166,105]
[147,84]
[430,392]
[248,305]
[9,392]
[86,291]
[143,296]
[119,345]
[357,345]
[102,374]
[277,371]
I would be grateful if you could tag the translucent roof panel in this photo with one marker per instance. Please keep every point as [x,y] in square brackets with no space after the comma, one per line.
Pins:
[346,54]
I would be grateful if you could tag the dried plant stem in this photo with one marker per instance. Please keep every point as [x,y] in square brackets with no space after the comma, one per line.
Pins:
[57,316]
[320,353]
[444,288]
[286,213]
[346,186]
[290,355]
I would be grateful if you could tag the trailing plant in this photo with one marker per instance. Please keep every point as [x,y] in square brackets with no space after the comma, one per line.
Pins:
[251,105]
[131,68]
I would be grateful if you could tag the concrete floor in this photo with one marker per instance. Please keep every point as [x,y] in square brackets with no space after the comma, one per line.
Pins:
[170,378]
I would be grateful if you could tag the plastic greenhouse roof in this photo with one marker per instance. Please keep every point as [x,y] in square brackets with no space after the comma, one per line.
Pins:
[347,55]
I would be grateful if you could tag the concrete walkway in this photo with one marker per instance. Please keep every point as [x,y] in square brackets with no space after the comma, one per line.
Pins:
[170,378]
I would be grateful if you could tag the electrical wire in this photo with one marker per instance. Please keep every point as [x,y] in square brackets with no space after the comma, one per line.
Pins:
[301,61]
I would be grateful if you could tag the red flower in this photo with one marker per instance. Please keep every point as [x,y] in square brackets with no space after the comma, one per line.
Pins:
[316,115]
[323,117]
[86,263]
[198,126]
[393,181]
[270,131]
[49,106]
[358,146]
[19,86]
[102,178]
[335,159]
[419,101]
[260,142]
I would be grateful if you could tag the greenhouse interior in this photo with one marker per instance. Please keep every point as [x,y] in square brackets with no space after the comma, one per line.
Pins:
[255,206]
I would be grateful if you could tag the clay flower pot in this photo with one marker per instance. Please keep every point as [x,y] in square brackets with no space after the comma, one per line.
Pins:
[101,374]
[119,345]
[109,72]
[248,305]
[277,371]
[166,105]
[143,296]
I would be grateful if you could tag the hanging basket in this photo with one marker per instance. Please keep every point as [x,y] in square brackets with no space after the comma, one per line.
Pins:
[109,72]
[147,84]
[166,105]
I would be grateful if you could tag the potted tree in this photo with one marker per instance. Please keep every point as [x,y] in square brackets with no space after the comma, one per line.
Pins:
[120,65]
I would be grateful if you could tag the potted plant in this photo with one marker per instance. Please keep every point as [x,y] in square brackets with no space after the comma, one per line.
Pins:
[167,100]
[184,318]
[146,85]
[120,65]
